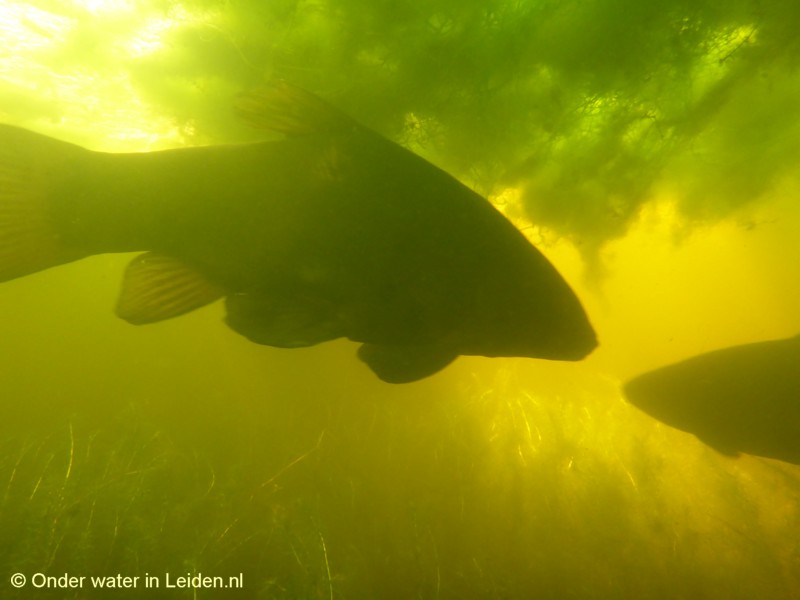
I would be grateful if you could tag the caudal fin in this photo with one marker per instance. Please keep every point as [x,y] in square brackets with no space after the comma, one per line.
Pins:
[29,237]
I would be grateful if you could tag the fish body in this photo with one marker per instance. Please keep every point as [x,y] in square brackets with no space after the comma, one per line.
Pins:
[743,399]
[331,232]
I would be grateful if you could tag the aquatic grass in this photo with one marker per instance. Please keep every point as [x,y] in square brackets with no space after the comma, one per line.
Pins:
[121,499]
[517,491]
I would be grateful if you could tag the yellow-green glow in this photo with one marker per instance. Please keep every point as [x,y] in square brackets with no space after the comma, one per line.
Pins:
[26,32]
[106,6]
[95,106]
[149,38]
[678,292]
[26,28]
[195,447]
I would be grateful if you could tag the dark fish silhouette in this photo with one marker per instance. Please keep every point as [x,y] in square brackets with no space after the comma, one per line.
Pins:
[331,232]
[739,399]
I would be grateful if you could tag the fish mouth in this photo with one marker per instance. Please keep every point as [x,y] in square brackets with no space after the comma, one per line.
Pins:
[634,394]
[570,347]
[579,350]
[639,392]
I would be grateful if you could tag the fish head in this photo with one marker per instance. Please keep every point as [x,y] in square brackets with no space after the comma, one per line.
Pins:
[739,399]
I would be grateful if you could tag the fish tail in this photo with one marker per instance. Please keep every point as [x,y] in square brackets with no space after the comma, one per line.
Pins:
[29,237]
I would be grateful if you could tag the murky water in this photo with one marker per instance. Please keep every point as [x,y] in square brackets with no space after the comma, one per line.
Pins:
[166,451]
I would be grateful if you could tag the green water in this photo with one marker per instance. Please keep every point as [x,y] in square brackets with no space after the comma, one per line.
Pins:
[649,150]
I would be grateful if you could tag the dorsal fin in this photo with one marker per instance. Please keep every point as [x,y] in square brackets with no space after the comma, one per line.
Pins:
[158,287]
[282,107]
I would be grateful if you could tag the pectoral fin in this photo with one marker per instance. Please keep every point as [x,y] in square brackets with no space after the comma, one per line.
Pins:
[158,287]
[404,364]
[284,322]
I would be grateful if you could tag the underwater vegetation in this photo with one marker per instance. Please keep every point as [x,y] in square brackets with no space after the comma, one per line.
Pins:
[588,109]
[648,150]
[516,493]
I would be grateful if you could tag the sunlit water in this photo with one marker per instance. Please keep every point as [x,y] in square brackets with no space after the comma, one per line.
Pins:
[180,448]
